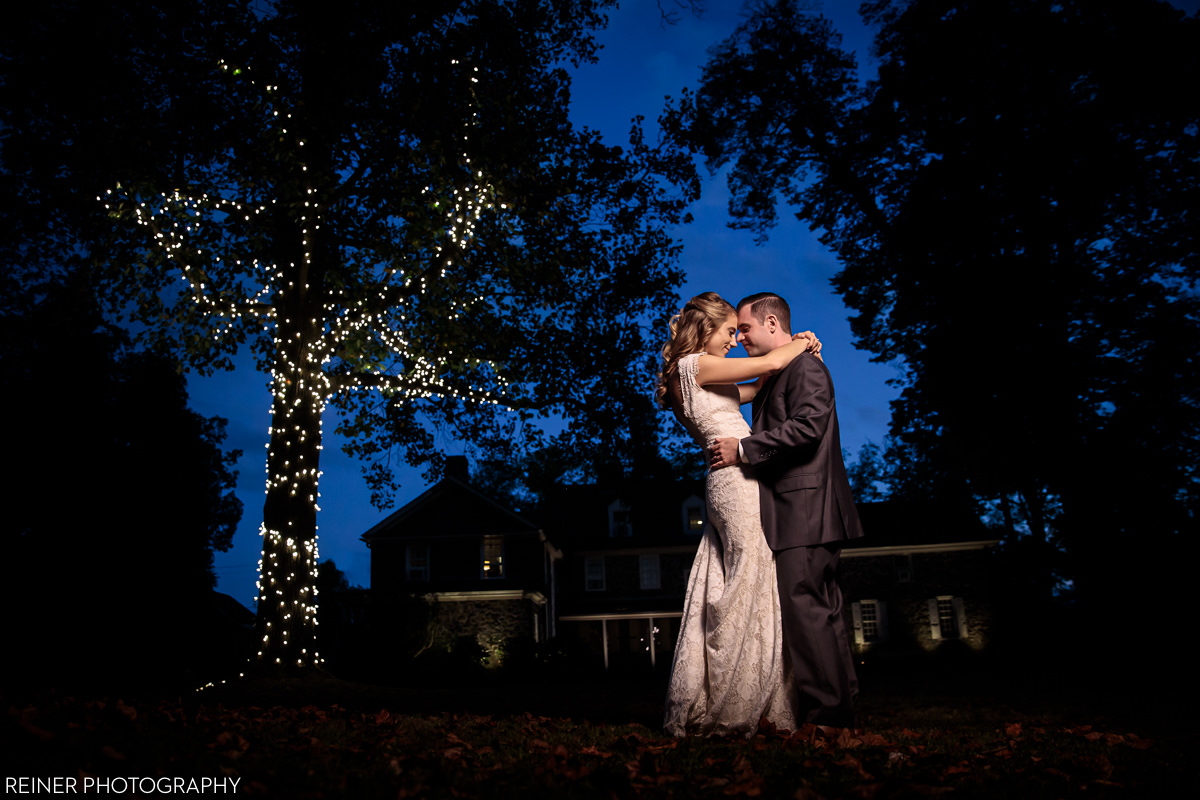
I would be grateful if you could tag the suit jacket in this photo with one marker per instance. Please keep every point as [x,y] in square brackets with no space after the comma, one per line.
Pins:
[796,450]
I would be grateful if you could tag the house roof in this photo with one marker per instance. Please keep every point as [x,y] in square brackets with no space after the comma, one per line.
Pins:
[909,523]
[228,608]
[451,507]
[578,515]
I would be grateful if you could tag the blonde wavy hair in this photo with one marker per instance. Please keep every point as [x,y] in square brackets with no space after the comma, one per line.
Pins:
[690,329]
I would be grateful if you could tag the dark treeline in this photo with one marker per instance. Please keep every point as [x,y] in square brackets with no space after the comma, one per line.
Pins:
[1013,200]
[117,494]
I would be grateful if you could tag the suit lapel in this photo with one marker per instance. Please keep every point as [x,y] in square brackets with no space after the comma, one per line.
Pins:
[759,404]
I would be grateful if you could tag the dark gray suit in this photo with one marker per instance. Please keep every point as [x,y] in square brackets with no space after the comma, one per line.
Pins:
[807,512]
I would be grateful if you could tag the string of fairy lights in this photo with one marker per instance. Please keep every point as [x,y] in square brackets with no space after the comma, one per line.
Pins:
[307,371]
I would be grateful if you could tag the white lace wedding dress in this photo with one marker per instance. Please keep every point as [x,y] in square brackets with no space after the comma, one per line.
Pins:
[728,669]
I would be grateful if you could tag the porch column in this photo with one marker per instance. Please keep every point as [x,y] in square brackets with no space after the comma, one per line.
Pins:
[652,659]
[604,637]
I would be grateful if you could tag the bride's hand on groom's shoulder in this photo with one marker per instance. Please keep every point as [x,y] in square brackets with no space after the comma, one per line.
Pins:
[814,344]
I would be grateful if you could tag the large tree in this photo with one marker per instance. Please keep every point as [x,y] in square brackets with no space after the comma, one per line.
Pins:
[386,202]
[1013,202]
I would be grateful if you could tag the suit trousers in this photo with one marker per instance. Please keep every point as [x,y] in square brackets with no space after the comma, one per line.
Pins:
[814,634]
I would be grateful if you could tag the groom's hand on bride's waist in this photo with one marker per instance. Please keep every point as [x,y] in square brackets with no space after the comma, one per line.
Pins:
[723,452]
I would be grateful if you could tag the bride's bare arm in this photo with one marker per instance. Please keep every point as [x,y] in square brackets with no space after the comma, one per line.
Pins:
[747,391]
[737,370]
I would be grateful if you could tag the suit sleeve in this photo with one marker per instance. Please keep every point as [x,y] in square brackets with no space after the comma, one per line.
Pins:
[807,399]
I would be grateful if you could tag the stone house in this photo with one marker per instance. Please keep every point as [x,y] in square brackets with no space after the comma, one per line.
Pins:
[607,569]
[485,571]
[624,574]
[919,579]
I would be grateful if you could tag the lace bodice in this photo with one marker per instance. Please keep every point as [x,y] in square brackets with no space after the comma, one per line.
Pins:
[712,412]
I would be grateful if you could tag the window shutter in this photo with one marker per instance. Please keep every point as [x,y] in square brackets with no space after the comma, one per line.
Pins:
[856,613]
[935,625]
[960,616]
[881,614]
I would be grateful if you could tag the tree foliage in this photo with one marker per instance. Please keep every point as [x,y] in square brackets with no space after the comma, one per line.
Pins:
[119,494]
[386,203]
[1013,202]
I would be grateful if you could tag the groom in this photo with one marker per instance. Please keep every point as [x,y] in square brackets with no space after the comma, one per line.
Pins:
[807,509]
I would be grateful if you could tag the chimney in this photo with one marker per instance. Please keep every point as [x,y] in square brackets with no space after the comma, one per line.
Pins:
[458,468]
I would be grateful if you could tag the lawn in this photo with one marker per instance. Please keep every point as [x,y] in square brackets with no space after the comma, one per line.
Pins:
[597,738]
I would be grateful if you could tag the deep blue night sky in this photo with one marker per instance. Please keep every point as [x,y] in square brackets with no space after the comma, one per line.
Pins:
[642,61]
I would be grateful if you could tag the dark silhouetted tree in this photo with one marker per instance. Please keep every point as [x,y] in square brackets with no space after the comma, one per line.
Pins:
[868,474]
[118,495]
[1013,202]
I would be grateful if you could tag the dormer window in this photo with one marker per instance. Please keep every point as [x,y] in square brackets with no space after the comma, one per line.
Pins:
[694,517]
[619,523]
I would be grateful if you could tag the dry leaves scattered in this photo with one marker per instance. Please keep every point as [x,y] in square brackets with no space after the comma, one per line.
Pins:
[320,752]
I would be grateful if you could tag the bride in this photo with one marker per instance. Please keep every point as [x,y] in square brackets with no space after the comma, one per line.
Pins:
[728,669]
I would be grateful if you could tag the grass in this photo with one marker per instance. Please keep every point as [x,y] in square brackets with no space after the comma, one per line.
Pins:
[325,738]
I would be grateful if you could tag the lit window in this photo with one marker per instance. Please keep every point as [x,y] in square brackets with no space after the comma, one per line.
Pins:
[693,515]
[492,557]
[870,621]
[648,570]
[416,562]
[947,619]
[594,574]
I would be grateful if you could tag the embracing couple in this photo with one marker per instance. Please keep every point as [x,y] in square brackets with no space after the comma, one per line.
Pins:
[762,634]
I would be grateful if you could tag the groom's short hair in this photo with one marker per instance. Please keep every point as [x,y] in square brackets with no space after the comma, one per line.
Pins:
[765,303]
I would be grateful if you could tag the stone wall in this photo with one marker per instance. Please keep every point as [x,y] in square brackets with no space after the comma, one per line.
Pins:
[906,584]
[491,623]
